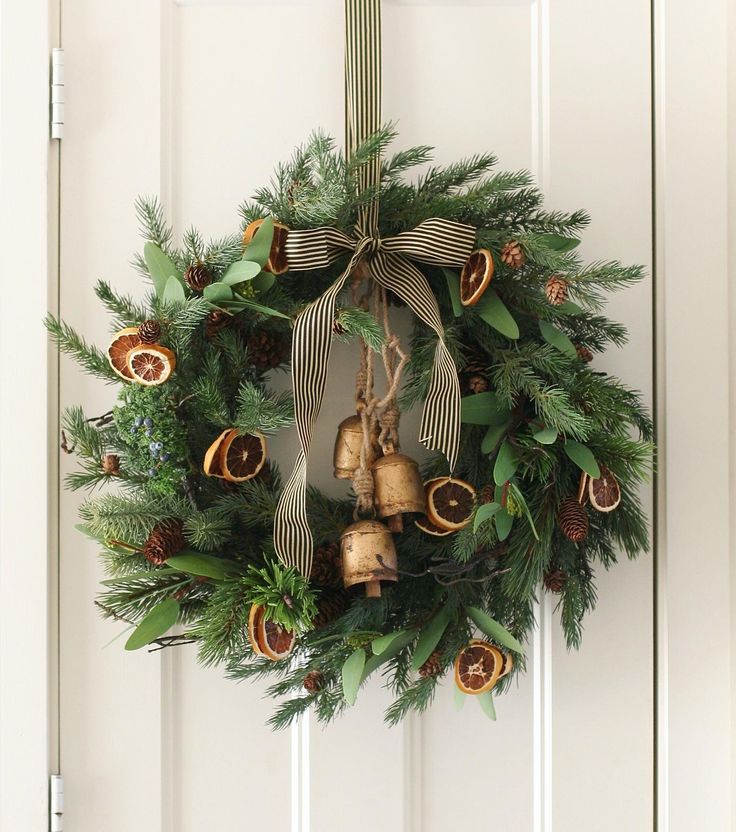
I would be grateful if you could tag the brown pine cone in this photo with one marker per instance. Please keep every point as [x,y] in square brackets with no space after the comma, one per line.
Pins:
[473,377]
[487,494]
[149,332]
[337,328]
[330,606]
[555,580]
[512,255]
[267,349]
[327,566]
[197,277]
[584,354]
[556,290]
[432,666]
[165,540]
[573,520]
[478,383]
[314,681]
[111,465]
[216,320]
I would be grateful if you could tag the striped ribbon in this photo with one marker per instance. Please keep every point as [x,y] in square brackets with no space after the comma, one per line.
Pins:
[389,261]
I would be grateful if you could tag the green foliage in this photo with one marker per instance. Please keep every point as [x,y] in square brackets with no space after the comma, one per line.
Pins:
[89,358]
[284,594]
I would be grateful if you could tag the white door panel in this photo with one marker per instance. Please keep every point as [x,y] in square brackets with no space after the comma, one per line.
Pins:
[198,101]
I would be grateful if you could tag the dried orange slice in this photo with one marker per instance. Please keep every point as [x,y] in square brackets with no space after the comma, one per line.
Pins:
[151,364]
[277,263]
[604,492]
[507,666]
[242,455]
[475,276]
[478,667]
[254,622]
[275,641]
[450,503]
[117,351]
[212,466]
[426,525]
[583,487]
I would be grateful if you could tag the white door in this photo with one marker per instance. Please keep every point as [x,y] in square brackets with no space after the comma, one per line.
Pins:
[196,101]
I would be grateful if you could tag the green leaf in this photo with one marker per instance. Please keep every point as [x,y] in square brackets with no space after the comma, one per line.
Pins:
[494,435]
[520,499]
[352,673]
[483,513]
[429,638]
[460,698]
[546,436]
[495,631]
[558,243]
[160,619]
[87,532]
[583,457]
[483,409]
[506,464]
[259,248]
[453,286]
[263,282]
[557,339]
[570,308]
[239,272]
[384,642]
[504,522]
[493,311]
[195,563]
[217,293]
[397,645]
[485,700]
[174,293]
[264,310]
[160,267]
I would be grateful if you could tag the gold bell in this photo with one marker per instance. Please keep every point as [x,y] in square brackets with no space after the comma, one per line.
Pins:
[368,556]
[349,441]
[398,487]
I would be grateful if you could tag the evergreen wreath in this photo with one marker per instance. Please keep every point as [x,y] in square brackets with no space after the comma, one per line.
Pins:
[545,489]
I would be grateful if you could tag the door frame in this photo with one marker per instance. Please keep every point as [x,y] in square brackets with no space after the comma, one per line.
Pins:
[693,587]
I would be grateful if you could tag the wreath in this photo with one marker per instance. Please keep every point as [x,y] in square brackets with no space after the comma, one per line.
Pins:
[422,571]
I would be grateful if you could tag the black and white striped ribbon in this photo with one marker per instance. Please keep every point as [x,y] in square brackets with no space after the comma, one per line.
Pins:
[435,241]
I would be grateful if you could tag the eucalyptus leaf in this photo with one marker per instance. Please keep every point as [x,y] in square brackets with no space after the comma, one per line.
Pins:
[521,500]
[196,563]
[174,293]
[87,531]
[160,267]
[494,435]
[239,272]
[264,310]
[583,457]
[381,643]
[506,464]
[557,339]
[495,631]
[352,672]
[483,513]
[160,619]
[460,698]
[546,436]
[259,248]
[429,638]
[493,311]
[504,522]
[453,286]
[263,281]
[570,308]
[217,293]
[559,243]
[485,700]
[396,646]
[483,409]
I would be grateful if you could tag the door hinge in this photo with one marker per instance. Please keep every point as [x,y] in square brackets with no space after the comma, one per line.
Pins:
[57,94]
[56,803]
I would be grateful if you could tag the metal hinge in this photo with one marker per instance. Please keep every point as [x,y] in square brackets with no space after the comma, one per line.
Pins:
[57,93]
[56,803]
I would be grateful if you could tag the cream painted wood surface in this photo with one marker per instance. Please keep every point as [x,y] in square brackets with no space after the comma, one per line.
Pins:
[197,101]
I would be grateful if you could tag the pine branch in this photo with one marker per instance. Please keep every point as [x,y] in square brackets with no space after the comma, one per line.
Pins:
[92,360]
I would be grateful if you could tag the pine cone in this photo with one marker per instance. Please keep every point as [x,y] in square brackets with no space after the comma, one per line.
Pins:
[327,566]
[330,606]
[314,681]
[149,332]
[556,290]
[432,666]
[487,494]
[555,580]
[165,540]
[216,321]
[267,349]
[473,377]
[512,255]
[197,277]
[584,354]
[573,520]
[111,465]
[478,383]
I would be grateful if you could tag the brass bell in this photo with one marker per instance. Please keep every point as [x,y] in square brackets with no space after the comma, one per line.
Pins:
[349,441]
[368,556]
[398,487]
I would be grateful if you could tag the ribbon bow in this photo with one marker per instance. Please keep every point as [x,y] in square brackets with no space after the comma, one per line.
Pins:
[434,241]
